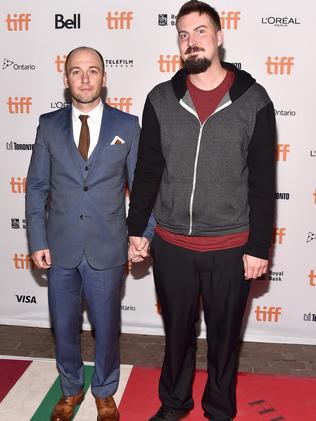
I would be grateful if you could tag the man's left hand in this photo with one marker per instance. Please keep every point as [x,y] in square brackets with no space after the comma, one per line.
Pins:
[254,266]
[138,248]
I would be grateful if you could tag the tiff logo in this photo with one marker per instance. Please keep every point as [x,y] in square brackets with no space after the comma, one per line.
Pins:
[278,66]
[278,234]
[60,63]
[20,105]
[23,261]
[312,278]
[265,408]
[229,20]
[18,22]
[281,151]
[119,20]
[168,63]
[18,185]
[271,314]
[61,23]
[122,104]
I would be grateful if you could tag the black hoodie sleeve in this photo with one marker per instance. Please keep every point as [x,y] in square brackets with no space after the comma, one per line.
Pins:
[261,184]
[148,172]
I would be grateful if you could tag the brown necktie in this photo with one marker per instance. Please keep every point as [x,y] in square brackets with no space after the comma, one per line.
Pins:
[84,138]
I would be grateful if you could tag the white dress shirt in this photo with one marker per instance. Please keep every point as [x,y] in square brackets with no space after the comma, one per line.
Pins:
[94,123]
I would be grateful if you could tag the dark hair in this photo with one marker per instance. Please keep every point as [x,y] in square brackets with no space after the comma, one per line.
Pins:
[202,8]
[84,48]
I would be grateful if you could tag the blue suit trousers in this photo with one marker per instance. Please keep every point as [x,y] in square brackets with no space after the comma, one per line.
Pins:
[101,290]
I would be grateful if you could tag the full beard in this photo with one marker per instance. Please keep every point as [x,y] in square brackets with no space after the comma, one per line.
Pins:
[197,65]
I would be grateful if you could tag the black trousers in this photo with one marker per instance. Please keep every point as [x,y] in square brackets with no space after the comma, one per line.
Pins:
[182,277]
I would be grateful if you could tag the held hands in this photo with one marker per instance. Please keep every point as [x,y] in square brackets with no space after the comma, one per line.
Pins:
[254,266]
[42,259]
[138,249]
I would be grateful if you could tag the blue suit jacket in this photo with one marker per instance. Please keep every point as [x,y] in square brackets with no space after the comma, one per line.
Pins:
[70,214]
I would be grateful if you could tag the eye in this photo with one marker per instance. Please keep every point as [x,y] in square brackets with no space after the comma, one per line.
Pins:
[200,31]
[75,72]
[183,36]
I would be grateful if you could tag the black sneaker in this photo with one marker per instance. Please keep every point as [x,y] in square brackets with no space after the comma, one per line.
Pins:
[169,414]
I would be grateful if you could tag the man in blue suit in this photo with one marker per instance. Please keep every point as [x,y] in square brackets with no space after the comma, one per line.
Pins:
[75,209]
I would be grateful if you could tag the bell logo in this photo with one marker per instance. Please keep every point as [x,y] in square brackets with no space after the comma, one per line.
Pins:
[18,22]
[278,235]
[168,63]
[119,20]
[20,105]
[18,185]
[281,151]
[60,63]
[229,20]
[279,66]
[312,278]
[271,314]
[122,104]
[61,22]
[23,261]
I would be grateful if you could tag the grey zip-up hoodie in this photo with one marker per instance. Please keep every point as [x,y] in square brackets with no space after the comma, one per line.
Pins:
[208,179]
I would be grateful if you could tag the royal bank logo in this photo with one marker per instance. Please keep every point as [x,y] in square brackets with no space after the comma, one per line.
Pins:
[165,19]
[285,113]
[119,62]
[276,276]
[280,22]
[282,196]
[15,146]
[12,65]
[18,223]
[311,236]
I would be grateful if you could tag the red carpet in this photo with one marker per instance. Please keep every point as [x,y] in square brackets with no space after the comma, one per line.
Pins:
[260,397]
[10,372]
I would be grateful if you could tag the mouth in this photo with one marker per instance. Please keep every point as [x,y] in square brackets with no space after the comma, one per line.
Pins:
[193,50]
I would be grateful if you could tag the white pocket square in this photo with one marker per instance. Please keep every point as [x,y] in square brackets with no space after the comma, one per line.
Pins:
[117,141]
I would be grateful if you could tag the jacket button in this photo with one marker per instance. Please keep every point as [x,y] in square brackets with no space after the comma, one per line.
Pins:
[86,168]
[86,188]
[81,217]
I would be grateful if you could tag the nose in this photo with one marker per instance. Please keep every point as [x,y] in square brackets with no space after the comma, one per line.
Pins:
[85,77]
[191,40]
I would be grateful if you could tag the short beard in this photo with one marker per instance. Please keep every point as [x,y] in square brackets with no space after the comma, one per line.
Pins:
[199,65]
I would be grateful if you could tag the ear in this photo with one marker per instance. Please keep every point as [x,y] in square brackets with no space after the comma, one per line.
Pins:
[104,79]
[65,80]
[220,38]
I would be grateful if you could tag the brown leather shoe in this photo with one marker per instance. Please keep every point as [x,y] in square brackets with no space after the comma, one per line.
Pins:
[64,410]
[107,410]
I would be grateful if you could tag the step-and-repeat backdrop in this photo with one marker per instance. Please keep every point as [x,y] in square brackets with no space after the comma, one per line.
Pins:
[273,40]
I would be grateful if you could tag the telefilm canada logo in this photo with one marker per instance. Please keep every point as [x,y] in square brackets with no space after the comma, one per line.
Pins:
[280,21]
[119,62]
[15,146]
[13,65]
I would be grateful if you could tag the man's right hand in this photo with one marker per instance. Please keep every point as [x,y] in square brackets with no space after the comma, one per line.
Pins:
[42,259]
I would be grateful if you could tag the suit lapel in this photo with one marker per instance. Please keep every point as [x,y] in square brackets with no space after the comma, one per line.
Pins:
[67,133]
